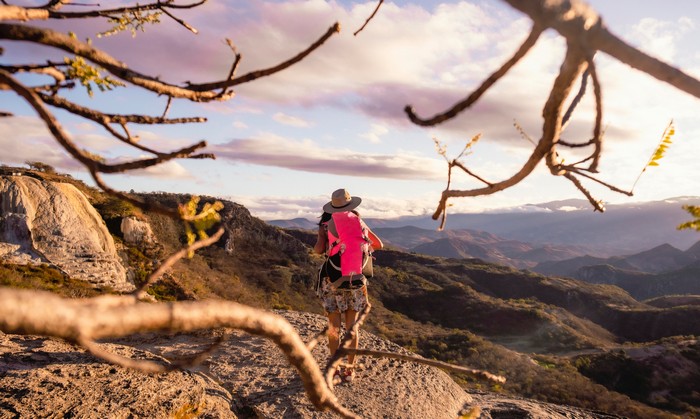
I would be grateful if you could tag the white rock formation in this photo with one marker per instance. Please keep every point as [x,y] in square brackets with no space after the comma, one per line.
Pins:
[52,222]
[137,232]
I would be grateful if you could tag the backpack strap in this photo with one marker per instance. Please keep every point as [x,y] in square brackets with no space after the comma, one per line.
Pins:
[330,228]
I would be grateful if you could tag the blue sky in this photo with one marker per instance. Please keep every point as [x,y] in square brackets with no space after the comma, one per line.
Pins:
[284,143]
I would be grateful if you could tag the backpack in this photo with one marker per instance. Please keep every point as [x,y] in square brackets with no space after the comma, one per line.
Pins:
[349,261]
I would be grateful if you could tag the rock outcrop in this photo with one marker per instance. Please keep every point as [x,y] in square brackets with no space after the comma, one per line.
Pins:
[247,376]
[137,232]
[41,377]
[53,222]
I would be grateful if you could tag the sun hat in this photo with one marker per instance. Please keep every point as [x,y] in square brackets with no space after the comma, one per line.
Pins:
[342,201]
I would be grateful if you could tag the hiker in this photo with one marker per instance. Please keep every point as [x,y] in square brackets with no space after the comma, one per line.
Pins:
[342,286]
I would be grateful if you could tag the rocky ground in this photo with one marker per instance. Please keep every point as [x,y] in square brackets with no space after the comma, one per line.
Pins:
[247,377]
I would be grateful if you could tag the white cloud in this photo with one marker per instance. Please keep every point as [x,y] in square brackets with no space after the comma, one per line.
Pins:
[292,121]
[307,156]
[375,132]
[309,207]
[660,38]
[27,139]
[170,170]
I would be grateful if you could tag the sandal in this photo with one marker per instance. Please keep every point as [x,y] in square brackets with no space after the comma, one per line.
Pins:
[348,374]
[337,377]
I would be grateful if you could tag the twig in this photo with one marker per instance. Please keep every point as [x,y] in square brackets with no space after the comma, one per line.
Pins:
[189,27]
[493,78]
[170,261]
[597,205]
[311,344]
[167,107]
[597,137]
[198,358]
[432,362]
[376,9]
[576,100]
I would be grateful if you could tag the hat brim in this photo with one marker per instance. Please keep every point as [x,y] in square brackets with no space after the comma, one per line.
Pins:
[354,202]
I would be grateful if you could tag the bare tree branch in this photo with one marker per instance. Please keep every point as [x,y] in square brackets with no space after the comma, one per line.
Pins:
[83,321]
[585,34]
[376,9]
[570,70]
[485,375]
[21,13]
[490,81]
[194,92]
[253,75]
[106,119]
[50,11]
[576,100]
[597,130]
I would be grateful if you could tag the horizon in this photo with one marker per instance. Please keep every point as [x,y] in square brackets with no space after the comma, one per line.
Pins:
[525,208]
[336,120]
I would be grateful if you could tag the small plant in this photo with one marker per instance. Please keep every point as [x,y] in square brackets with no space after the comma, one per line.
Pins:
[694,224]
[87,75]
[133,20]
[197,224]
[189,410]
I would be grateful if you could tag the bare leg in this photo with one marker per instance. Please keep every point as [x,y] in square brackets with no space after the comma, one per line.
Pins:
[350,319]
[333,331]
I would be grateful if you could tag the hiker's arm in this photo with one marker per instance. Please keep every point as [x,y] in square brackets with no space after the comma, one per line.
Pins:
[321,241]
[376,242]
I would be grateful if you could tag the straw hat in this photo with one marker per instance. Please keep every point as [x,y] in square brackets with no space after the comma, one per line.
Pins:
[342,201]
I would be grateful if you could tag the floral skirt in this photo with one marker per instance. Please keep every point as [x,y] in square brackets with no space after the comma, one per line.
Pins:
[342,300]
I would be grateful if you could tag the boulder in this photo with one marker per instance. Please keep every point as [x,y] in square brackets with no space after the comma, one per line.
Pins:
[54,223]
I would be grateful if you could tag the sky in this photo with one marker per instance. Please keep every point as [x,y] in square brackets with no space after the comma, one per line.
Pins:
[336,120]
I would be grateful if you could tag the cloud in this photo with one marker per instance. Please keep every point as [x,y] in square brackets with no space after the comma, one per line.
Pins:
[660,38]
[309,207]
[170,170]
[307,156]
[27,139]
[375,131]
[290,120]
[408,54]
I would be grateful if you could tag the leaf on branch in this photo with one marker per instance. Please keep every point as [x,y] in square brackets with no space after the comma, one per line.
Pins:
[522,132]
[693,224]
[440,148]
[660,150]
[79,69]
[197,224]
[663,145]
[467,148]
[133,20]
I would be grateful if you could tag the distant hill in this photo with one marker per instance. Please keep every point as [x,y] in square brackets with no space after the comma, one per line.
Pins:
[474,244]
[621,229]
[299,223]
[663,270]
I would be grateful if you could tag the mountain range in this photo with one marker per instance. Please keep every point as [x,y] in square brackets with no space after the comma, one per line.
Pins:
[622,229]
